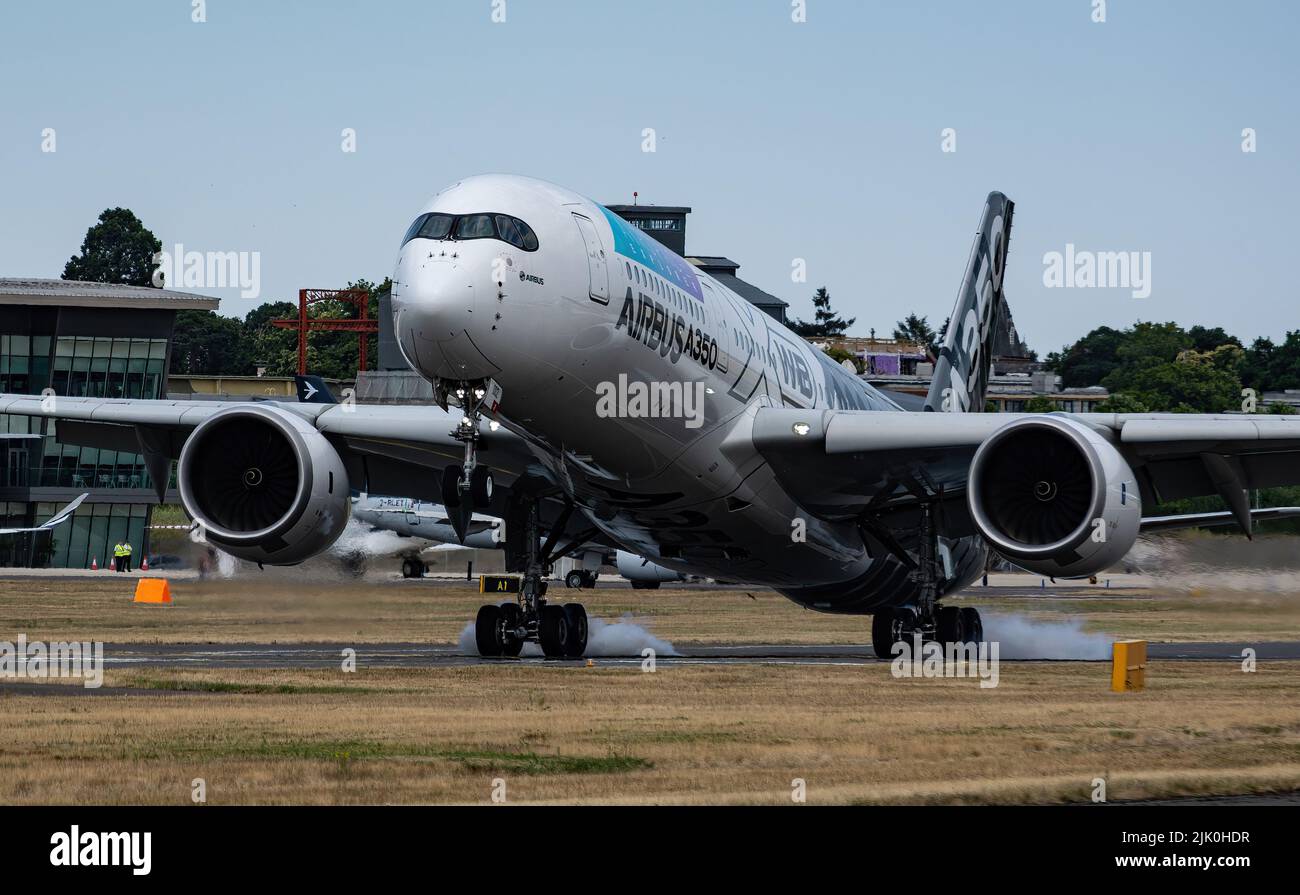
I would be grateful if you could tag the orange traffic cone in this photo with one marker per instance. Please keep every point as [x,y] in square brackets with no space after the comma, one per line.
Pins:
[94,564]
[144,564]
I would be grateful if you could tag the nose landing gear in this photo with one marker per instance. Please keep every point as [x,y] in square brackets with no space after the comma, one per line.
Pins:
[468,486]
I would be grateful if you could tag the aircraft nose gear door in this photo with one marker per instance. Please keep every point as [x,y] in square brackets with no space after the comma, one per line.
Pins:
[597,265]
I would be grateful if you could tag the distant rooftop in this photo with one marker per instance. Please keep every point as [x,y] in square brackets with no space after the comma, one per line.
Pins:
[80,293]
[620,210]
[724,270]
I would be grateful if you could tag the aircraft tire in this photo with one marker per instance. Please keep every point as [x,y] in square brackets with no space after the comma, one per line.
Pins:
[972,625]
[882,633]
[553,632]
[511,616]
[576,616]
[575,579]
[950,628]
[486,626]
[480,486]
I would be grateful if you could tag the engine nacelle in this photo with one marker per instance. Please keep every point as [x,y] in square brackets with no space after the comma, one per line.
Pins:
[638,568]
[266,486]
[1038,487]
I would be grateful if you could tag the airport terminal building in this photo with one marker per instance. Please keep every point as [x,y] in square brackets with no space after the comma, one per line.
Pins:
[83,340]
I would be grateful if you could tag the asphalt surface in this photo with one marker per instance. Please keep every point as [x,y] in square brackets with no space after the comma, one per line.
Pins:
[423,655]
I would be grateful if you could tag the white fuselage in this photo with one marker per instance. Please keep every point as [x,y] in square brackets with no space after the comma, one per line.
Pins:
[581,333]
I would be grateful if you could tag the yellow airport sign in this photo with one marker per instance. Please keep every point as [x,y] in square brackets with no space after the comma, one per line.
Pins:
[498,584]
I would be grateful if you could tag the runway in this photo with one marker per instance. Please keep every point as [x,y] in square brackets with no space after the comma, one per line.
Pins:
[423,655]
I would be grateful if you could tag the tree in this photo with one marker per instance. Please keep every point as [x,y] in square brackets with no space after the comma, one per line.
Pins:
[1088,361]
[1272,367]
[118,249]
[1208,339]
[1040,404]
[826,323]
[917,330]
[1195,382]
[1121,404]
[205,343]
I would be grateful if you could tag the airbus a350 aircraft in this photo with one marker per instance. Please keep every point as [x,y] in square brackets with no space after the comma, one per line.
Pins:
[606,389]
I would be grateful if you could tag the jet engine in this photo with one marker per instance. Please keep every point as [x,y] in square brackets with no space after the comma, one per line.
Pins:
[265,484]
[1053,496]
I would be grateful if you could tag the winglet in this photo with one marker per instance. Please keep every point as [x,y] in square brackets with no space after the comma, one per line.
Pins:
[62,515]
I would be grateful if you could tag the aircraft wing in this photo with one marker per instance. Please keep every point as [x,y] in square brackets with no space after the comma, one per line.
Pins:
[387,449]
[58,518]
[842,462]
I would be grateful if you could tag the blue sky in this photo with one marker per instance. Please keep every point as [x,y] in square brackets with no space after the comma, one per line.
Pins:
[818,140]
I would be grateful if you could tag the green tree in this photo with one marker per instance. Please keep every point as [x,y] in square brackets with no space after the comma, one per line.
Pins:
[1040,404]
[918,330]
[1273,367]
[1122,404]
[117,249]
[205,343]
[1090,360]
[1195,382]
[826,323]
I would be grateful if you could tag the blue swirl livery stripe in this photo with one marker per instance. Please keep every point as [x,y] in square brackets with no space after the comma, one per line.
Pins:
[634,245]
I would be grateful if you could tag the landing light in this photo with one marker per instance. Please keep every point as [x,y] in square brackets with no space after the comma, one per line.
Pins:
[802,429]
[493,425]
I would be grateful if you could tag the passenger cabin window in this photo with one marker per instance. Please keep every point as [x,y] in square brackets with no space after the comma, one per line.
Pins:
[435,225]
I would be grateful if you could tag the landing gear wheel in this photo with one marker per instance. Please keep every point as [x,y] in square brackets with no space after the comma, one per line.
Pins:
[590,579]
[950,628]
[576,616]
[972,625]
[451,486]
[882,633]
[480,486]
[486,626]
[412,568]
[889,626]
[553,632]
[512,618]
[575,579]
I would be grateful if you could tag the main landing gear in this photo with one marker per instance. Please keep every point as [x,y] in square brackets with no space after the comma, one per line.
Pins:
[943,624]
[561,630]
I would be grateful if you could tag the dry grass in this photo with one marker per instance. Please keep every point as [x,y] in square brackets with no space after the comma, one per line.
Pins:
[685,734]
[278,607]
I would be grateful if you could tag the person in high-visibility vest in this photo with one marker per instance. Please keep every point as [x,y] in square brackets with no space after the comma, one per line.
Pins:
[117,557]
[126,556]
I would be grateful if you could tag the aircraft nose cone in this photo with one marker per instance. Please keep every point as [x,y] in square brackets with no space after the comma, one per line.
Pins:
[434,309]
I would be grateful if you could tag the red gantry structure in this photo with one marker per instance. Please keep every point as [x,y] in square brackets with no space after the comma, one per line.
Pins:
[362,325]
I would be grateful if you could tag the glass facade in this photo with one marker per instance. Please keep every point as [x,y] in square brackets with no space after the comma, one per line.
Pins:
[74,366]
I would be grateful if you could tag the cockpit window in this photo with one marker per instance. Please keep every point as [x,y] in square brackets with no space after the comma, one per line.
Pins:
[475,226]
[429,226]
[434,225]
[516,232]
